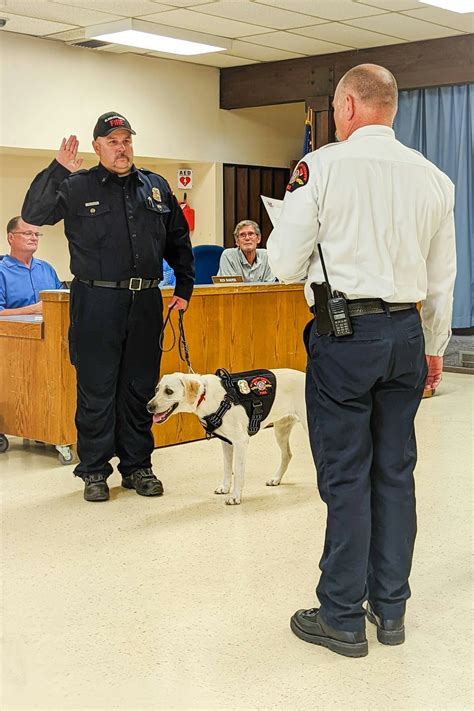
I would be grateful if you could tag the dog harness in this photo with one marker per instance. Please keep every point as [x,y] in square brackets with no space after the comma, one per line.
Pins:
[253,389]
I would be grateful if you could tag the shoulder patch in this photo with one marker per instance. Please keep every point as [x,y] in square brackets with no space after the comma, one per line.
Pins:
[299,178]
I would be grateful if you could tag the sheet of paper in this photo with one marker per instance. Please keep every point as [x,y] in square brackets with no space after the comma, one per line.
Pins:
[273,208]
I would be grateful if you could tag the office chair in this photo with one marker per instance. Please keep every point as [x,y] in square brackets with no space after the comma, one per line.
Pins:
[206,262]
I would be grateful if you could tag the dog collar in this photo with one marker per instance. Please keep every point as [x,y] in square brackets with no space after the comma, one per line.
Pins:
[201,398]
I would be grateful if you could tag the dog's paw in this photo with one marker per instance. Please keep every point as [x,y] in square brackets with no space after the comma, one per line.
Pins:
[221,490]
[232,500]
[273,482]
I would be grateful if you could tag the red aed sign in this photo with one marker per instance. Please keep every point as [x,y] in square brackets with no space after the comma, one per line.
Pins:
[185,178]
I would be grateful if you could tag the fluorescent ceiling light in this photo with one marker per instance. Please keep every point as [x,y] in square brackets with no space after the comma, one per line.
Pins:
[157,38]
[453,5]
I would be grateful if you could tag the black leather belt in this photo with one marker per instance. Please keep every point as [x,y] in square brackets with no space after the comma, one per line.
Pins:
[374,306]
[134,284]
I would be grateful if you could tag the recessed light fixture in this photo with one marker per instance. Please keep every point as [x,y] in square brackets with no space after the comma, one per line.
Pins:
[157,38]
[453,5]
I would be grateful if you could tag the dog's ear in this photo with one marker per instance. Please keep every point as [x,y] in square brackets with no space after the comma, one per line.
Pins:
[191,390]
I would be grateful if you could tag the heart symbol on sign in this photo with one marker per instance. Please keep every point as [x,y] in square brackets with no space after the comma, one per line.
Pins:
[184,180]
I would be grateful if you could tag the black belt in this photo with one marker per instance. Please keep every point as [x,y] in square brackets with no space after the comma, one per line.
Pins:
[134,284]
[374,306]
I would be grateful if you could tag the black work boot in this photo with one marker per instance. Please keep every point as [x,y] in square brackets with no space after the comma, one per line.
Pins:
[144,482]
[96,488]
[388,631]
[309,626]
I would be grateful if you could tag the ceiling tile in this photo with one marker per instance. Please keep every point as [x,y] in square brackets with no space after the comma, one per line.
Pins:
[402,26]
[123,8]
[350,36]
[325,9]
[296,43]
[79,33]
[463,22]
[256,14]
[55,12]
[187,3]
[32,25]
[192,20]
[259,53]
[394,5]
[216,59]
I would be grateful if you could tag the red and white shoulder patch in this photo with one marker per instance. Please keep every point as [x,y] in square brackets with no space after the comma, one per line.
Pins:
[299,178]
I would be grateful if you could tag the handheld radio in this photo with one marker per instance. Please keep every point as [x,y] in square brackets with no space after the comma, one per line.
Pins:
[336,305]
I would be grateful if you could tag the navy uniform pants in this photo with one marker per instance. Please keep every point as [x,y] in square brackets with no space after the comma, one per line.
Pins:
[362,394]
[114,346]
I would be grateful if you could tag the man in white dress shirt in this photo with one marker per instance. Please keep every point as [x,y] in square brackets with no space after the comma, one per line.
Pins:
[383,216]
[245,259]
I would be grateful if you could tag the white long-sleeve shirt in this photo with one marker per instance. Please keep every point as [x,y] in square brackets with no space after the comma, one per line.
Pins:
[384,217]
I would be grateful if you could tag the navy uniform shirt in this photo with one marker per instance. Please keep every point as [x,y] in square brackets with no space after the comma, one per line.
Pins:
[117,227]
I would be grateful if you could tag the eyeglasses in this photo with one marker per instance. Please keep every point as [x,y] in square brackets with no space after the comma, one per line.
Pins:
[29,233]
[246,234]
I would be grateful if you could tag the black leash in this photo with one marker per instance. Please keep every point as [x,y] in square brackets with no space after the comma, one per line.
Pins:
[183,349]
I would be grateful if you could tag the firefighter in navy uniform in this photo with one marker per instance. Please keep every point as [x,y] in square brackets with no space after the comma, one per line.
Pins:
[383,216]
[120,223]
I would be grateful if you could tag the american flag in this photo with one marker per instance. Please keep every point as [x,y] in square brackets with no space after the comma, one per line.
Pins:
[308,133]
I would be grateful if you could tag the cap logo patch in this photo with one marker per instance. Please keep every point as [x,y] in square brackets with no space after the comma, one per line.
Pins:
[299,178]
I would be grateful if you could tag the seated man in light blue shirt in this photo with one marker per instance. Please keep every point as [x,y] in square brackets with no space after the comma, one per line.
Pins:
[21,276]
[245,259]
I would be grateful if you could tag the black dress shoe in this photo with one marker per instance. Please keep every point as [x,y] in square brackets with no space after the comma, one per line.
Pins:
[388,631]
[96,488]
[144,482]
[308,625]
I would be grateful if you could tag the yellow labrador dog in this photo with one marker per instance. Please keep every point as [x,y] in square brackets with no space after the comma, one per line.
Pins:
[202,395]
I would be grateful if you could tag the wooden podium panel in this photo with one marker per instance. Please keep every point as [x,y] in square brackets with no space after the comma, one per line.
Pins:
[238,327]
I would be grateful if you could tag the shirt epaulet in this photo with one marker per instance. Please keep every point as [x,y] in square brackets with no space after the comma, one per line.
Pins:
[84,171]
[418,153]
[331,145]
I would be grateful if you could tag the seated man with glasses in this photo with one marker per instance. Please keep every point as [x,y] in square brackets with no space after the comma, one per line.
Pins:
[21,276]
[245,259]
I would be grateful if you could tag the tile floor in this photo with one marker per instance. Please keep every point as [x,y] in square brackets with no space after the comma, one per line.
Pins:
[184,603]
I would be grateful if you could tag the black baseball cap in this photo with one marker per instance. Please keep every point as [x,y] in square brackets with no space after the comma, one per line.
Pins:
[109,122]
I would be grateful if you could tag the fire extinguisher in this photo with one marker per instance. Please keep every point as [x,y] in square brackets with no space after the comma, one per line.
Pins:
[188,213]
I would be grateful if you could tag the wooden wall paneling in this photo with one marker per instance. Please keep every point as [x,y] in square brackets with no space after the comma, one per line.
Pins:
[280,181]
[243,185]
[266,189]
[437,62]
[255,203]
[229,204]
[242,189]
[275,82]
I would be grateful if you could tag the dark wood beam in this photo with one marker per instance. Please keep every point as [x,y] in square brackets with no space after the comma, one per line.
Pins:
[416,65]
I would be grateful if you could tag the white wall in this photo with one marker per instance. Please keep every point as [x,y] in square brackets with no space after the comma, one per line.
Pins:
[50,90]
[18,170]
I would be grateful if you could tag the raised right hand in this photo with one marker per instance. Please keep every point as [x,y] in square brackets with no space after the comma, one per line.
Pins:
[67,154]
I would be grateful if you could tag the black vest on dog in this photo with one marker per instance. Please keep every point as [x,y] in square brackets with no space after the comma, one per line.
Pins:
[253,389]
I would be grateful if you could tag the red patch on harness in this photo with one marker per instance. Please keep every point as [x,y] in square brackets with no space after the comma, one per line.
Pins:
[260,385]
[299,178]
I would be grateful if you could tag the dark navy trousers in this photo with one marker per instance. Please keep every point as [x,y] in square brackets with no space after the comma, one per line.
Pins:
[114,345]
[362,394]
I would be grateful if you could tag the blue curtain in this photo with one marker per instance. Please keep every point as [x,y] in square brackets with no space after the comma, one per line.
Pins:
[440,124]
